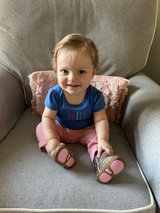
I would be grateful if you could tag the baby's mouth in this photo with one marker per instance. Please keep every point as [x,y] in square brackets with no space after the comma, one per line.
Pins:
[72,85]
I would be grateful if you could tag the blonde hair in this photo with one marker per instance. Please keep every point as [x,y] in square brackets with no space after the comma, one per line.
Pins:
[77,43]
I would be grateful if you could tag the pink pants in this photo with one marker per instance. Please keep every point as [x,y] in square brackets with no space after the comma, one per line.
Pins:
[86,137]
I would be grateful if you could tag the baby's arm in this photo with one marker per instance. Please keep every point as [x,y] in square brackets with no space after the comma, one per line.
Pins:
[49,130]
[102,130]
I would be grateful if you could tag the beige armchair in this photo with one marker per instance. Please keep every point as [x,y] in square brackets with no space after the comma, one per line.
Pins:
[30,181]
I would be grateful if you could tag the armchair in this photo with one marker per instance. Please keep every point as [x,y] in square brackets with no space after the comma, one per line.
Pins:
[123,31]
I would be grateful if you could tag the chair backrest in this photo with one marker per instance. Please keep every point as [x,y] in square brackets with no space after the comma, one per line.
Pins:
[122,30]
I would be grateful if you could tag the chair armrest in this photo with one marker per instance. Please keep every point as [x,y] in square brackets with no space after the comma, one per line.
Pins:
[141,126]
[12,102]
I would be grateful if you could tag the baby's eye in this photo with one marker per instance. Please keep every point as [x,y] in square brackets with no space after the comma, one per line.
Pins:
[64,71]
[82,71]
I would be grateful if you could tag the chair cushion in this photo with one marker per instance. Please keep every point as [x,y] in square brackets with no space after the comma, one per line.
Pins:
[114,90]
[30,180]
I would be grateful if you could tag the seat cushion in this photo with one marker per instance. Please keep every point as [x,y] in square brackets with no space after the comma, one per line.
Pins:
[31,180]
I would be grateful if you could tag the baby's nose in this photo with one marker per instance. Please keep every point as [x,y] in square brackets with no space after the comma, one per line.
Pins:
[72,76]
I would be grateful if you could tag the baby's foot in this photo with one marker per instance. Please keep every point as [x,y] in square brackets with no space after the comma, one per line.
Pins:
[108,166]
[63,156]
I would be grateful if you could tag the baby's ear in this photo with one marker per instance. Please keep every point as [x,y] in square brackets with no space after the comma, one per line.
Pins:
[95,71]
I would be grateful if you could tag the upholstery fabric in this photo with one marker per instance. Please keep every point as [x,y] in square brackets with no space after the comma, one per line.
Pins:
[30,29]
[37,183]
[11,110]
[145,121]
[114,90]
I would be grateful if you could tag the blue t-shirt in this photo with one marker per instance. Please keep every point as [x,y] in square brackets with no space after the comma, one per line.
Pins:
[75,116]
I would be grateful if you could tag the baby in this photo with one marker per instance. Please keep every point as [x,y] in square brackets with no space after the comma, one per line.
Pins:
[75,110]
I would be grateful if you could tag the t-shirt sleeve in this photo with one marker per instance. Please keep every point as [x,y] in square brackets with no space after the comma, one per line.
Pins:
[99,102]
[52,100]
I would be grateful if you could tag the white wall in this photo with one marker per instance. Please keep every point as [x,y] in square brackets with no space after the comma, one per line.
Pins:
[152,68]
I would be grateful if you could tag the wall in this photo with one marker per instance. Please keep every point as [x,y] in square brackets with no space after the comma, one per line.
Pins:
[152,68]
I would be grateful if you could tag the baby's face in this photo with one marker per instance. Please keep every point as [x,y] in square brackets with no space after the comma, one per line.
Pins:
[74,71]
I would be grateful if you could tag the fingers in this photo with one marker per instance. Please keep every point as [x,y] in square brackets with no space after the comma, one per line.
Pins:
[99,152]
[51,146]
[108,149]
[49,150]
[52,153]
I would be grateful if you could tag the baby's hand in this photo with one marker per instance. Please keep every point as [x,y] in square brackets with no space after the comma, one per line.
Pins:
[104,145]
[51,146]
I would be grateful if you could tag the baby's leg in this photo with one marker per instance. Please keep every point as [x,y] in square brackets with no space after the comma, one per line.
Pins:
[88,138]
[41,140]
[61,153]
[107,166]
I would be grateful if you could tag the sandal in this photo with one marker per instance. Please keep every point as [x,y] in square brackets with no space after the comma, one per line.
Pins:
[63,156]
[108,167]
